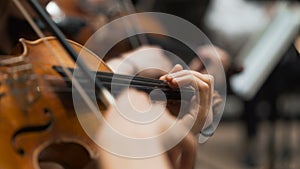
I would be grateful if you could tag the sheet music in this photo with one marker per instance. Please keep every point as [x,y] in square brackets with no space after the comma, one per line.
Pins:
[265,54]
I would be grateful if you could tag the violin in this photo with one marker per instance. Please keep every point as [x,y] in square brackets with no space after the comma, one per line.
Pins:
[38,121]
[41,125]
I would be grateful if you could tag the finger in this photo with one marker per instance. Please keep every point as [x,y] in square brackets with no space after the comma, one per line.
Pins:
[163,77]
[172,76]
[205,106]
[209,81]
[185,78]
[176,68]
[205,85]
[217,102]
[204,77]
[183,81]
[206,90]
[203,101]
[179,73]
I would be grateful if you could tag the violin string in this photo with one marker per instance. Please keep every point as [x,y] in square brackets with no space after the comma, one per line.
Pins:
[65,70]
[126,79]
[110,79]
[106,98]
[134,80]
[77,85]
[69,74]
[169,93]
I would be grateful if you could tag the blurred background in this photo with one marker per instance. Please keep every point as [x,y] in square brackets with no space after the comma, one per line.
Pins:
[260,126]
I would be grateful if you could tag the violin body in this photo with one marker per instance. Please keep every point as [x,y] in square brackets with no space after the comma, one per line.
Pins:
[39,125]
[38,121]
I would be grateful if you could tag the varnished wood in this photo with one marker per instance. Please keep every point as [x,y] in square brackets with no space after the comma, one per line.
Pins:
[24,150]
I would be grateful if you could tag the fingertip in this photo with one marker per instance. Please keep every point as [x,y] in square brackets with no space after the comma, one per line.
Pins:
[163,77]
[174,83]
[176,68]
[169,77]
[179,67]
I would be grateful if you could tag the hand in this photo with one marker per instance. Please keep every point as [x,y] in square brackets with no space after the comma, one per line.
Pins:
[201,114]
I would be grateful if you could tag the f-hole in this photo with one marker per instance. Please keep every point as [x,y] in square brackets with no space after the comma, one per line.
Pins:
[65,156]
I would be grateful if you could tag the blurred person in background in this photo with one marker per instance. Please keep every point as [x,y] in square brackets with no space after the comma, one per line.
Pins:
[231,25]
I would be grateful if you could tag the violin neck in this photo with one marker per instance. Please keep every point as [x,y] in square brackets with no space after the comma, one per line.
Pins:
[116,83]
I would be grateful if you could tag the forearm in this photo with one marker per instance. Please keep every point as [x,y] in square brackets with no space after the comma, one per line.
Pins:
[123,137]
[112,161]
[116,160]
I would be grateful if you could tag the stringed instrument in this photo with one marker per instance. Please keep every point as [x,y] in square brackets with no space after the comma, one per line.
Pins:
[42,121]
[38,123]
[38,120]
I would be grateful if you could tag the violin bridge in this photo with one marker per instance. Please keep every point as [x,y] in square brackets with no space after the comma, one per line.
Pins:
[22,82]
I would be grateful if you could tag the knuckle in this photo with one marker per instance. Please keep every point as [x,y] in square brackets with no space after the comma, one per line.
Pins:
[205,87]
[211,79]
[186,72]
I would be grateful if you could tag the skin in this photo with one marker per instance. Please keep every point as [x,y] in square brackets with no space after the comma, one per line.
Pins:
[208,105]
[152,56]
[204,83]
[182,156]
